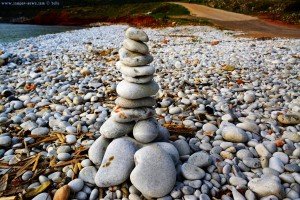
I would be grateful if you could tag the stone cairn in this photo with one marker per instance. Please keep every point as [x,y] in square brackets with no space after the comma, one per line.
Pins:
[132,143]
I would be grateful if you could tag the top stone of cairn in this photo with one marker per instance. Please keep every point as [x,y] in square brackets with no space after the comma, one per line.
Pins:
[136,34]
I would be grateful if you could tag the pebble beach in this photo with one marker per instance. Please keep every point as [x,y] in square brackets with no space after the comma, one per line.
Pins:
[231,106]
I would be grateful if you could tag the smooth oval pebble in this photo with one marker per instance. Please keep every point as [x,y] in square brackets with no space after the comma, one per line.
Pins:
[40,131]
[134,59]
[136,34]
[129,90]
[64,156]
[76,185]
[135,46]
[113,129]
[97,150]
[124,115]
[234,134]
[135,103]
[138,79]
[42,196]
[136,71]
[145,131]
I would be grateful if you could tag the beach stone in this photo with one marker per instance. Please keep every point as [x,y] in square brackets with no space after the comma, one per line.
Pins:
[145,131]
[248,126]
[243,153]
[81,195]
[249,97]
[192,172]
[124,115]
[134,59]
[76,185]
[153,183]
[28,125]
[40,131]
[42,196]
[136,34]
[234,134]
[27,175]
[135,46]
[71,139]
[200,159]
[136,71]
[252,162]
[262,151]
[237,181]
[113,129]
[135,103]
[88,174]
[295,137]
[97,150]
[63,156]
[5,141]
[277,164]
[138,79]
[129,90]
[117,163]
[175,110]
[182,147]
[170,149]
[282,156]
[292,167]
[267,185]
[209,127]
[289,119]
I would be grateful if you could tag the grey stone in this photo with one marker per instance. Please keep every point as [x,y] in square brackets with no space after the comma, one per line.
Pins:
[175,110]
[237,181]
[262,151]
[249,126]
[76,185]
[182,147]
[209,127]
[71,139]
[292,167]
[236,195]
[252,162]
[117,163]
[124,115]
[40,131]
[81,195]
[63,156]
[192,172]
[243,153]
[113,129]
[135,103]
[42,196]
[94,194]
[136,71]
[136,34]
[267,185]
[234,134]
[88,174]
[135,46]
[282,156]
[97,150]
[170,149]
[276,163]
[129,90]
[295,137]
[200,159]
[5,141]
[28,125]
[250,195]
[134,59]
[145,131]
[27,175]
[145,176]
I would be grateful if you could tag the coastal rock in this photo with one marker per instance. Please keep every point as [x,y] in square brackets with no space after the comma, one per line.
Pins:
[170,149]
[113,129]
[117,163]
[124,115]
[135,103]
[136,71]
[234,134]
[136,34]
[129,90]
[289,119]
[134,59]
[145,131]
[42,196]
[267,185]
[40,131]
[153,183]
[135,46]
[76,185]
[97,150]
[5,141]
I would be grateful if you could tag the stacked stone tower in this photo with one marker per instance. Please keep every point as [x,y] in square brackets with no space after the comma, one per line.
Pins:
[132,143]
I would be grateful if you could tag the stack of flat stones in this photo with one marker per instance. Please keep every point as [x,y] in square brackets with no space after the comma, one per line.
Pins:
[132,144]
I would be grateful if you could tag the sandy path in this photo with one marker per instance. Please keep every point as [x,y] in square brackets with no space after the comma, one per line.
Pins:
[253,26]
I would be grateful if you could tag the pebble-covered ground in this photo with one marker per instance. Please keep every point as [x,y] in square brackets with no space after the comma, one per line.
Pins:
[233,102]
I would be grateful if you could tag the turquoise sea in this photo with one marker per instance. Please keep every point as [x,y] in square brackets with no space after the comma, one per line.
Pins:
[15,32]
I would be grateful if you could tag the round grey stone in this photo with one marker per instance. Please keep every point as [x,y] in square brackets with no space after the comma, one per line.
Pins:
[138,79]
[113,129]
[145,131]
[134,59]
[124,115]
[192,172]
[234,134]
[136,34]
[200,159]
[97,150]
[40,131]
[88,174]
[135,46]
[135,103]
[129,90]
[76,185]
[136,71]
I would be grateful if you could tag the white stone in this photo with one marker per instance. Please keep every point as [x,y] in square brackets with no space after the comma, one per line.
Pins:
[134,59]
[124,115]
[129,90]
[136,71]
[97,150]
[135,46]
[145,131]
[135,103]
[153,183]
[234,134]
[88,174]
[76,185]
[136,34]
[113,129]
[138,79]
